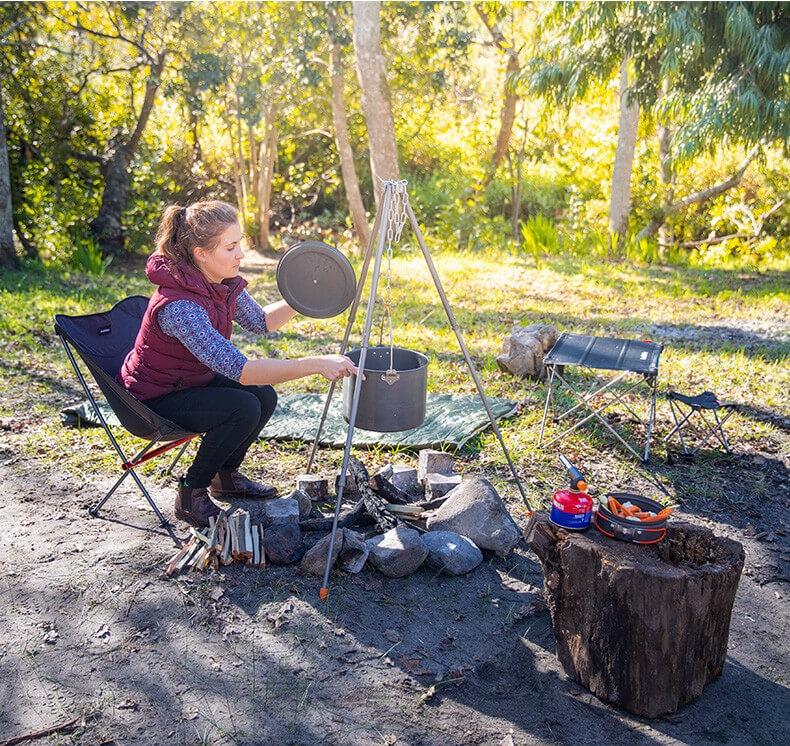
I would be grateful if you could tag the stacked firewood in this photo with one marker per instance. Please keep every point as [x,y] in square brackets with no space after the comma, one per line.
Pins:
[230,538]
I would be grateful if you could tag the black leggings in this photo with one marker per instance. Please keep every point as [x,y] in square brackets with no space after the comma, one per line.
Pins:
[230,416]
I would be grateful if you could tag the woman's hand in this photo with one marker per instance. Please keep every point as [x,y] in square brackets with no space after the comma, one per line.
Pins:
[335,367]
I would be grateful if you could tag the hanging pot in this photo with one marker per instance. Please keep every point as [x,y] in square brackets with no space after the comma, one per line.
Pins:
[393,393]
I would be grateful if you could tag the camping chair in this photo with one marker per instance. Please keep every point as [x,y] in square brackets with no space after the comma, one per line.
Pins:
[698,405]
[102,340]
[624,356]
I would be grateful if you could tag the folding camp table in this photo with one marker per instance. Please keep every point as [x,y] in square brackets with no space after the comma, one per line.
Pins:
[624,356]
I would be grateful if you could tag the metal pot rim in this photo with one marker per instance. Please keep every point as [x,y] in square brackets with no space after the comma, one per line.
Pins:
[421,358]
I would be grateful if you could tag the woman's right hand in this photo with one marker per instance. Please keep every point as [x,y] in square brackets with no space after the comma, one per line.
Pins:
[335,367]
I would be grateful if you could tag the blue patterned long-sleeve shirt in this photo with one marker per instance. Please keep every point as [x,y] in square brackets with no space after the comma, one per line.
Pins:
[189,323]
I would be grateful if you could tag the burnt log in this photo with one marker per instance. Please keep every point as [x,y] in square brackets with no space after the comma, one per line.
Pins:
[642,626]
[387,490]
[355,517]
[374,504]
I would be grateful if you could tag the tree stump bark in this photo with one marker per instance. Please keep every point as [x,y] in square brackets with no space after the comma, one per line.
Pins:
[642,626]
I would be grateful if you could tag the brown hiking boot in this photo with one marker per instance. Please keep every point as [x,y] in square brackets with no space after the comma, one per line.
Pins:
[194,505]
[230,483]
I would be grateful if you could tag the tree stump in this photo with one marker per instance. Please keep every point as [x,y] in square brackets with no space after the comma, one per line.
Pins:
[642,626]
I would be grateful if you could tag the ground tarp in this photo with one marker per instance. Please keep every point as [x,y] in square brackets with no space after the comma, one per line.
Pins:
[450,421]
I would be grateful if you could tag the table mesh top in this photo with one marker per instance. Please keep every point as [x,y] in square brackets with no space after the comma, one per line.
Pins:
[605,353]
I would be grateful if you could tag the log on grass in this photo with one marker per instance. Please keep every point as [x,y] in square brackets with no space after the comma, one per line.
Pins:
[643,626]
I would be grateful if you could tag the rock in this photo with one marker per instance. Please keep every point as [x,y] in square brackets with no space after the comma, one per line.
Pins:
[404,477]
[397,553]
[433,462]
[350,487]
[354,553]
[281,509]
[314,562]
[304,502]
[451,552]
[474,509]
[438,485]
[282,543]
[316,487]
[523,351]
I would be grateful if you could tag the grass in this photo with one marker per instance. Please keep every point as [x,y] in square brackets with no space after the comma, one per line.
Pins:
[706,310]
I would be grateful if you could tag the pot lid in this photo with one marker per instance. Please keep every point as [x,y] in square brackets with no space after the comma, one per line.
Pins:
[316,280]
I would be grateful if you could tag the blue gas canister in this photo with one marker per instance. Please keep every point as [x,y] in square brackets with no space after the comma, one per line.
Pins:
[572,509]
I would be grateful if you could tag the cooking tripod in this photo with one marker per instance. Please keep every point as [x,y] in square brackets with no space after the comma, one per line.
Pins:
[395,208]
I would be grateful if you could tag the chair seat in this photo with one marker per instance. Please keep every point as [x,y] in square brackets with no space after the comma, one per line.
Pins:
[705,400]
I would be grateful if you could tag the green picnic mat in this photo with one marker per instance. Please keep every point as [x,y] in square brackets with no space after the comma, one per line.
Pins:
[450,421]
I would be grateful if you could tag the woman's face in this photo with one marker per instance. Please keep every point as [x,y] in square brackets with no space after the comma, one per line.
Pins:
[222,262]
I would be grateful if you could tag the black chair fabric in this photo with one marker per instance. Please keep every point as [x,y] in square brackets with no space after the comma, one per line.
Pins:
[102,341]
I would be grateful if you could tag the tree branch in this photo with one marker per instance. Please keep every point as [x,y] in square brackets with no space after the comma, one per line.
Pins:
[711,240]
[151,87]
[14,26]
[698,197]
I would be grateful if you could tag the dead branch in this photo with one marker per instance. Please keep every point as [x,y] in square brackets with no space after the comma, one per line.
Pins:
[698,197]
[711,240]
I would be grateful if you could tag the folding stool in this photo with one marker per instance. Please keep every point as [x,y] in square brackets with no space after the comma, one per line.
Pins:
[698,405]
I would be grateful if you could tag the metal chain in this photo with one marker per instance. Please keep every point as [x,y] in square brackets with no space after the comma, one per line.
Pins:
[396,220]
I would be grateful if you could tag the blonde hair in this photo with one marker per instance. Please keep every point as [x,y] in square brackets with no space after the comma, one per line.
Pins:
[183,229]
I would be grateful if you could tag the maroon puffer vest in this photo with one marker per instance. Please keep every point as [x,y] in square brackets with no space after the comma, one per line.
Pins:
[158,363]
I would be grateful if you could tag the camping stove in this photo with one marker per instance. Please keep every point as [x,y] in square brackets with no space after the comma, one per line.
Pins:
[572,509]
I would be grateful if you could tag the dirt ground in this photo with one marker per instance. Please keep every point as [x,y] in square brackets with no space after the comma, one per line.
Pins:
[92,631]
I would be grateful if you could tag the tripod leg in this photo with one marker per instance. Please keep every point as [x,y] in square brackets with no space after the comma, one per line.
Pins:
[352,315]
[451,318]
[352,419]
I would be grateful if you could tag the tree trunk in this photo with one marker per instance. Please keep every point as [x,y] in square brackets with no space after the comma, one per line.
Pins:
[8,257]
[666,175]
[620,198]
[507,118]
[376,100]
[107,226]
[266,163]
[350,183]
[643,626]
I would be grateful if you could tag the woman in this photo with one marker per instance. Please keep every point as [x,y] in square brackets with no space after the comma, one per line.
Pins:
[184,366]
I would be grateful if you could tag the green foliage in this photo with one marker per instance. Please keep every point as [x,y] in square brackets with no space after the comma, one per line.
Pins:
[233,68]
[539,236]
[87,256]
[725,64]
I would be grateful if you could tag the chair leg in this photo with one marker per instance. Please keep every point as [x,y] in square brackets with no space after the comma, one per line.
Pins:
[167,472]
[94,511]
[679,426]
[164,523]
